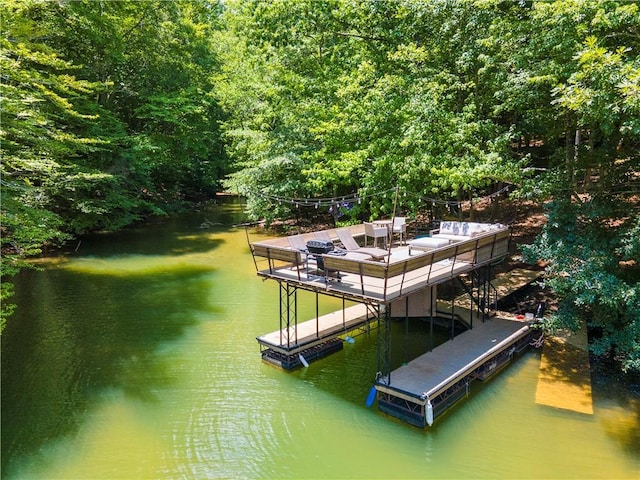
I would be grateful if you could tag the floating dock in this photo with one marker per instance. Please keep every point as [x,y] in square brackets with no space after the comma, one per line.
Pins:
[315,338]
[564,378]
[424,388]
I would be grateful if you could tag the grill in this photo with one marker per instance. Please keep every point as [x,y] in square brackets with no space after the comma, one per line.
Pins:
[317,248]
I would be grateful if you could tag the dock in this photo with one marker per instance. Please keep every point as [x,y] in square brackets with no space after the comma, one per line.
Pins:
[510,282]
[400,281]
[315,338]
[503,285]
[382,282]
[427,386]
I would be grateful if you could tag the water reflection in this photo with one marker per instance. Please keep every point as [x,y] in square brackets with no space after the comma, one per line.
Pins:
[112,345]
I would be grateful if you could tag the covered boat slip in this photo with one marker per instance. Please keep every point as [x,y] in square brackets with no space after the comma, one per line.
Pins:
[425,387]
[378,281]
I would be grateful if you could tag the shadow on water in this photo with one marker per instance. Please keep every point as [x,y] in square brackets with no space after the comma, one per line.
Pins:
[620,394]
[102,319]
[188,233]
[161,237]
[78,335]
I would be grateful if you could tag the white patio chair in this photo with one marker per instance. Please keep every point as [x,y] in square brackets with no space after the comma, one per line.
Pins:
[370,230]
[400,228]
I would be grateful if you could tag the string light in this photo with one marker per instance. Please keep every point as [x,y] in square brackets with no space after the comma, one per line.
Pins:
[355,198]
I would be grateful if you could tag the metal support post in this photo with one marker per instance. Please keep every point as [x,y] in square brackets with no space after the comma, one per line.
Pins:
[384,346]
[288,312]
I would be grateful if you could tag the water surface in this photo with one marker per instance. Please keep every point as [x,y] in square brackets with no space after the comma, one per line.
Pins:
[135,357]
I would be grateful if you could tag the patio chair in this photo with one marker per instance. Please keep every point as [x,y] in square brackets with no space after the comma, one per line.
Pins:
[370,230]
[297,242]
[323,235]
[400,228]
[349,243]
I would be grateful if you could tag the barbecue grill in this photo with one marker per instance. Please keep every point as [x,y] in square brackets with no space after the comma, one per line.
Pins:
[319,247]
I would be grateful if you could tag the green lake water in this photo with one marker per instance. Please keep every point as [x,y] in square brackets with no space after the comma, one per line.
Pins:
[133,356]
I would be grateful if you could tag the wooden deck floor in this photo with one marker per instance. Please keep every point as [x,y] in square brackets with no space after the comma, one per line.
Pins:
[505,284]
[509,282]
[435,371]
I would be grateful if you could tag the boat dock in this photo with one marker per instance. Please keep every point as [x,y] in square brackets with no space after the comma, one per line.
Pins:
[424,388]
[510,282]
[400,281]
[503,285]
[564,378]
[401,274]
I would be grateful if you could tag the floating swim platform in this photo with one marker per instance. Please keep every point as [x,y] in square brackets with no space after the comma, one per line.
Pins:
[564,378]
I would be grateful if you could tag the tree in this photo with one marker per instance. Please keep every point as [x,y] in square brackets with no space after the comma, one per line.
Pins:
[446,99]
[37,111]
[107,116]
[589,240]
[364,96]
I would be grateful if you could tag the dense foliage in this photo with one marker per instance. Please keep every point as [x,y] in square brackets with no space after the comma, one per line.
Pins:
[108,115]
[453,99]
[113,109]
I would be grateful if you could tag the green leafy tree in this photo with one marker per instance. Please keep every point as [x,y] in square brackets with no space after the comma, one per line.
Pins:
[41,130]
[589,240]
[365,96]
[107,116]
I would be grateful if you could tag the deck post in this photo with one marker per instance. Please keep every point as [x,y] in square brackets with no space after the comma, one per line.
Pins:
[288,311]
[434,308]
[453,312]
[471,307]
[280,311]
[384,346]
[344,327]
[406,324]
[487,279]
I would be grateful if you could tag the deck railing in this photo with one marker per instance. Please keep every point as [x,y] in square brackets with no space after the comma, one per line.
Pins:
[379,280]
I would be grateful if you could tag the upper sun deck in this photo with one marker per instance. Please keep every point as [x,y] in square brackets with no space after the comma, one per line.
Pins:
[403,270]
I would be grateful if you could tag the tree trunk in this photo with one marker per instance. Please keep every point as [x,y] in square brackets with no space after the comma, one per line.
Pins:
[571,140]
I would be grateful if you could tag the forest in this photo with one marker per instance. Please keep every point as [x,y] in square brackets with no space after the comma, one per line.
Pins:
[115,111]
